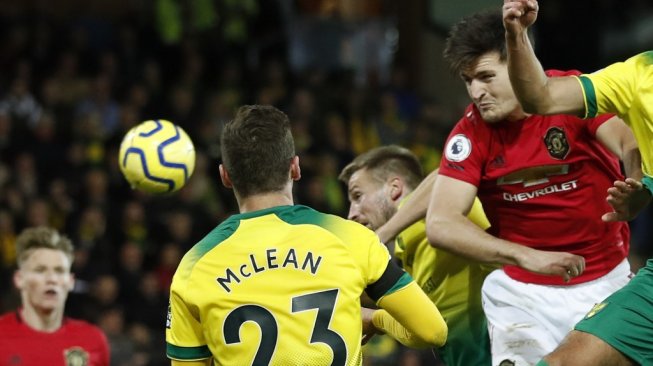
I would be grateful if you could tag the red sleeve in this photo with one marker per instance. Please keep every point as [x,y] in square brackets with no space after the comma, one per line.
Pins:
[104,346]
[463,155]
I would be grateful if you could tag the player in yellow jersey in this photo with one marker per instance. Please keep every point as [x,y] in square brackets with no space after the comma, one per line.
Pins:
[278,283]
[619,330]
[379,182]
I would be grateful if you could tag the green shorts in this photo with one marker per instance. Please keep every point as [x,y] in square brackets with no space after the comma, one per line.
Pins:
[625,319]
[468,344]
[648,184]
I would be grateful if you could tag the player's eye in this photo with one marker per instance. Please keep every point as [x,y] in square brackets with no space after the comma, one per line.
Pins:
[487,77]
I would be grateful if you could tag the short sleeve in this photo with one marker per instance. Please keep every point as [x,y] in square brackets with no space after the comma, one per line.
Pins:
[377,259]
[463,155]
[184,337]
[609,90]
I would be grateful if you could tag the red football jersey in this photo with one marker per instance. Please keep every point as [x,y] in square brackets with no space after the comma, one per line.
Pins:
[543,183]
[75,343]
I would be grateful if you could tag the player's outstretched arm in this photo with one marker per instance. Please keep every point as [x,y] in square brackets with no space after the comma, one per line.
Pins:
[617,137]
[448,227]
[410,317]
[627,198]
[412,210]
[536,92]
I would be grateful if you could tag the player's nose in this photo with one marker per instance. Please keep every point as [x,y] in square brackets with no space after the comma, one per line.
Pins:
[353,213]
[476,90]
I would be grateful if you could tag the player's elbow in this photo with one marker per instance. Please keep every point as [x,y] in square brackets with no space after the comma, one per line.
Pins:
[435,227]
[530,106]
[438,335]
[541,103]
[434,335]
[534,105]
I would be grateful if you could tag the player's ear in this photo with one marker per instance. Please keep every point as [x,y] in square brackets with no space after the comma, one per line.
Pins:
[224,177]
[71,281]
[295,170]
[18,279]
[396,186]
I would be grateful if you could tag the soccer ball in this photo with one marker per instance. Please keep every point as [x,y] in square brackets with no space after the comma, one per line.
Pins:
[157,156]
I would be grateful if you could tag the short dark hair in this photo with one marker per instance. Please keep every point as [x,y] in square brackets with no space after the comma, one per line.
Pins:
[473,36]
[257,148]
[384,161]
[40,237]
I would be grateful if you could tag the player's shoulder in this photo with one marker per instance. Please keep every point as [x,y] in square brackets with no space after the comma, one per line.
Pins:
[305,215]
[79,326]
[471,122]
[344,230]
[470,117]
[8,318]
[332,223]
[644,58]
[556,73]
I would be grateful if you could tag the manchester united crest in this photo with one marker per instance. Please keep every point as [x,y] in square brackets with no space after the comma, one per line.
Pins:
[76,356]
[556,142]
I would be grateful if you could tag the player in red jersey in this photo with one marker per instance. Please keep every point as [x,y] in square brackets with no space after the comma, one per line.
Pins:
[38,333]
[542,181]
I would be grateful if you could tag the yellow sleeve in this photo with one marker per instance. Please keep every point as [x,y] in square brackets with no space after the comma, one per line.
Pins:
[477,215]
[184,334]
[611,89]
[419,325]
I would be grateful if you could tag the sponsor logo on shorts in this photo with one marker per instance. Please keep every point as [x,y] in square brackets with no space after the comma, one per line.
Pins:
[595,310]
[458,148]
[507,363]
[556,142]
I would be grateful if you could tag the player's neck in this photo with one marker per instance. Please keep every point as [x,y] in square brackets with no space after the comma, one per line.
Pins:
[42,321]
[517,115]
[265,200]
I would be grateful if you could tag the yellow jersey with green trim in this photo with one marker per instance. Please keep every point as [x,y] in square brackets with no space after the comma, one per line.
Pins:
[453,283]
[625,88]
[279,286]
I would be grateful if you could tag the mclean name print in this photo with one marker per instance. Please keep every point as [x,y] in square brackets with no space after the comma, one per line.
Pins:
[272,259]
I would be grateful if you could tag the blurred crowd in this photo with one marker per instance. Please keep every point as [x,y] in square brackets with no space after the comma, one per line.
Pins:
[71,88]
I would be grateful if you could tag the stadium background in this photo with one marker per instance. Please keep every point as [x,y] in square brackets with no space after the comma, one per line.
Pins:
[76,75]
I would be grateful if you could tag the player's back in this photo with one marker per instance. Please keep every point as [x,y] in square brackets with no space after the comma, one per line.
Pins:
[279,286]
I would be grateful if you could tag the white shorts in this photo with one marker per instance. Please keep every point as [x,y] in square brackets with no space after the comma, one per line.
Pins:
[527,321]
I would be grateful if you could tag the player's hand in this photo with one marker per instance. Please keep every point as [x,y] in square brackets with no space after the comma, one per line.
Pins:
[627,199]
[566,265]
[369,330]
[519,15]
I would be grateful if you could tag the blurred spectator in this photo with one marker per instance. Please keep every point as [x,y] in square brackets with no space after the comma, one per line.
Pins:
[99,105]
[130,271]
[21,104]
[169,258]
[150,303]
[112,322]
